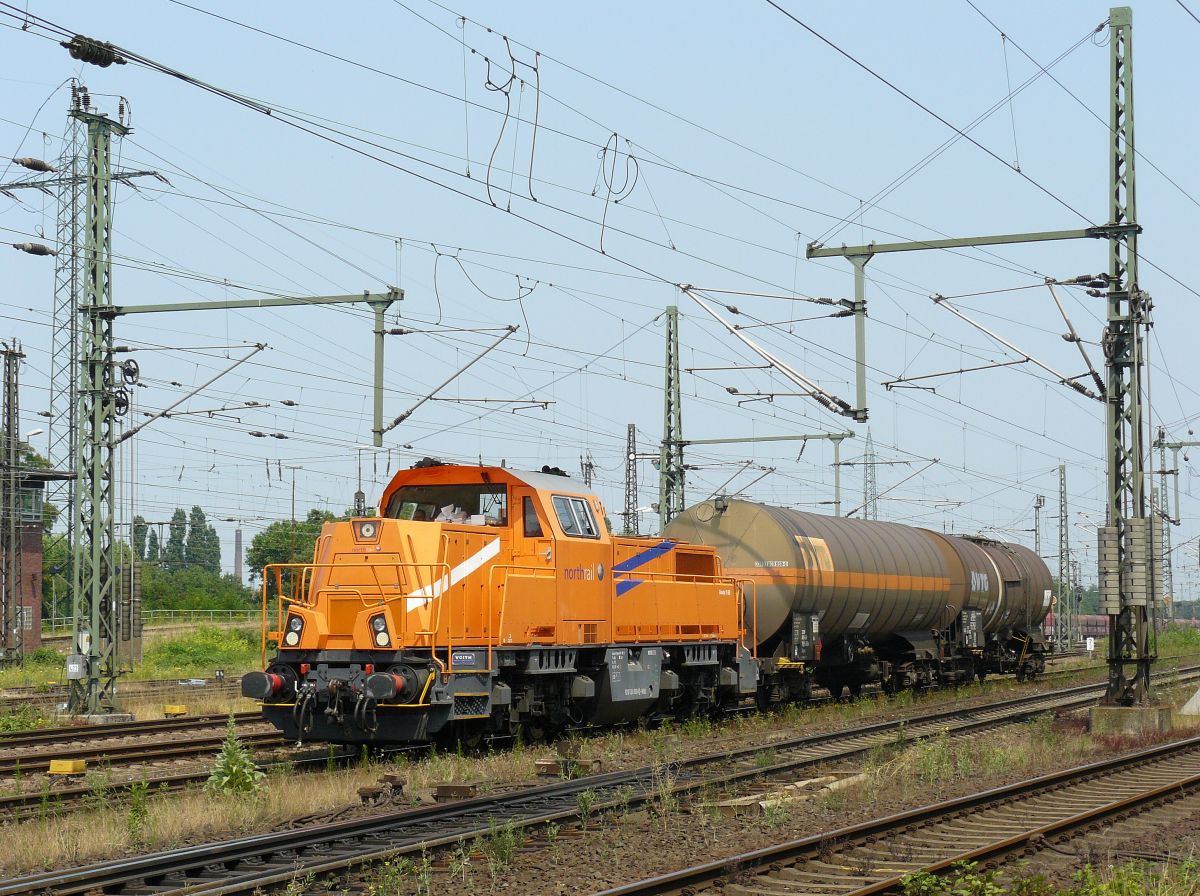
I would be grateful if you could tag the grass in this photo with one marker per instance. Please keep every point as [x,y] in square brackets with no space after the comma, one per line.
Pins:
[199,652]
[191,654]
[106,828]
[41,666]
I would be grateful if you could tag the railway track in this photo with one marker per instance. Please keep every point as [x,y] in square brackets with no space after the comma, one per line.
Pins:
[55,694]
[873,857]
[246,864]
[125,754]
[69,734]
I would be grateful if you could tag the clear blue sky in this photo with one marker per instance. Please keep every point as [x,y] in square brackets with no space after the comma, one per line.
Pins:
[751,138]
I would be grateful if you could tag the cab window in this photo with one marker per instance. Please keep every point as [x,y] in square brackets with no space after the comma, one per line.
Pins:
[533,527]
[575,517]
[476,504]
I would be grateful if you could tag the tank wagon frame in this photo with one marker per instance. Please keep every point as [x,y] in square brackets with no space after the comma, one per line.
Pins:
[484,601]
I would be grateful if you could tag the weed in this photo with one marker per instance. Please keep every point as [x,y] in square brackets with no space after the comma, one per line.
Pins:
[962,880]
[99,789]
[137,817]
[501,846]
[935,759]
[665,801]
[44,802]
[298,886]
[424,872]
[584,801]
[696,726]
[460,862]
[624,797]
[766,758]
[234,771]
[388,879]
[23,718]
[775,814]
[1034,885]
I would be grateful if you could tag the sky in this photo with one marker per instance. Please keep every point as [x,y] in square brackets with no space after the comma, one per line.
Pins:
[564,168]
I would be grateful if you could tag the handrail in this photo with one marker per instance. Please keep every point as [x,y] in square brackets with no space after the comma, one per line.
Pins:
[306,598]
[753,612]
[508,568]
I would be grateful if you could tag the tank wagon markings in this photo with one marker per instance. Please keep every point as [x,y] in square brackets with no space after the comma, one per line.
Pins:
[872,580]
[646,556]
[422,596]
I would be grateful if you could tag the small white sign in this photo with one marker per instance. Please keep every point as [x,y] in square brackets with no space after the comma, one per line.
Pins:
[1091,644]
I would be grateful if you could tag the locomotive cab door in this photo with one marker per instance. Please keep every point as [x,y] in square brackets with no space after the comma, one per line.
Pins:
[528,587]
[583,560]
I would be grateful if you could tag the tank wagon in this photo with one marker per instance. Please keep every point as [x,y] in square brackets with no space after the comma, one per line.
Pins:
[857,601]
[482,601]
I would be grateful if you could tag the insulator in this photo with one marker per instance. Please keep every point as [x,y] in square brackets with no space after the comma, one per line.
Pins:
[1098,283]
[288,402]
[278,435]
[1095,293]
[34,164]
[93,52]
[34,248]
[258,435]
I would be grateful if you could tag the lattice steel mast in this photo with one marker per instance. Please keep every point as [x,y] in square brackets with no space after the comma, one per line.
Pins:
[670,455]
[1064,616]
[1125,541]
[12,638]
[93,670]
[64,352]
[870,483]
[631,481]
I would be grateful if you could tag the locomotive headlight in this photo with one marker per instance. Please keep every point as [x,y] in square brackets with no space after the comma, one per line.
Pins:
[379,627]
[295,625]
[366,530]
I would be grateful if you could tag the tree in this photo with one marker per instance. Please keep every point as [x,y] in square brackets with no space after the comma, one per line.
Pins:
[175,552]
[139,537]
[193,588]
[153,552]
[285,542]
[203,547]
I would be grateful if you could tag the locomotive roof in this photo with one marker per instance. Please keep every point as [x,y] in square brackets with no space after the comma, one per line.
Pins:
[550,482]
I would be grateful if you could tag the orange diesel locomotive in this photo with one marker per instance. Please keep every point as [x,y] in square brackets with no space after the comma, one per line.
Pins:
[482,598]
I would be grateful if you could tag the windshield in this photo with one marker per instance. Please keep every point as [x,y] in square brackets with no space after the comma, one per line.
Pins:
[476,504]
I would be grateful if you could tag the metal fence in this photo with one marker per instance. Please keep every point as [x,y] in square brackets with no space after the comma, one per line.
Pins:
[165,617]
